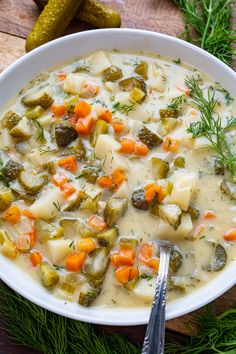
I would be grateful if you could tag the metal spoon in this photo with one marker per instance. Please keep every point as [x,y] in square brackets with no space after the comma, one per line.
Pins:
[154,340]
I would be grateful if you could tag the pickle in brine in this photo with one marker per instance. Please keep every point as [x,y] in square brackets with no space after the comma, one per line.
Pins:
[52,22]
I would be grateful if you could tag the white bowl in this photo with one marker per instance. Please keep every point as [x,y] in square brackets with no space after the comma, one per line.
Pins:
[75,45]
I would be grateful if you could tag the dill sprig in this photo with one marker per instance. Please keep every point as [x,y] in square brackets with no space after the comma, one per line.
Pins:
[211,126]
[31,325]
[211,20]
[41,136]
[216,334]
[123,108]
[177,101]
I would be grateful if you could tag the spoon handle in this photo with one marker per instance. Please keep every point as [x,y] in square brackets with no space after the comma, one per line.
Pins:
[154,340]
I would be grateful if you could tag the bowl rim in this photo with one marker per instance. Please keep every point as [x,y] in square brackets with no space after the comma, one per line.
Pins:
[144,315]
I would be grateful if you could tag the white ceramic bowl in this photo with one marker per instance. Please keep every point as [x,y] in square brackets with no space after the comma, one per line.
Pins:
[73,46]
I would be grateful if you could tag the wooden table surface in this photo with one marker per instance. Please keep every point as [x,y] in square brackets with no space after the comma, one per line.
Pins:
[16,20]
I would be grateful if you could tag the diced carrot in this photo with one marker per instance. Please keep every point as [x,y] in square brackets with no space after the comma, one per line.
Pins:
[105,182]
[86,245]
[106,115]
[59,180]
[61,76]
[118,178]
[59,110]
[230,235]
[32,236]
[184,89]
[123,257]
[97,223]
[199,229]
[82,109]
[149,185]
[35,258]
[28,214]
[127,146]
[126,274]
[141,149]
[209,214]
[118,127]
[12,214]
[151,192]
[84,126]
[69,163]
[153,263]
[145,253]
[67,189]
[75,261]
[23,243]
[170,144]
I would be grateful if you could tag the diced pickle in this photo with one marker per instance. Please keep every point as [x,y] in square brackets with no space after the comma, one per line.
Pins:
[218,258]
[171,213]
[228,188]
[50,167]
[131,284]
[49,275]
[65,134]
[69,226]
[169,113]
[87,298]
[127,243]
[6,198]
[177,283]
[138,199]
[194,212]
[176,259]
[10,120]
[169,124]
[32,183]
[34,112]
[9,249]
[149,138]
[20,193]
[22,131]
[114,210]
[137,95]
[142,69]
[85,231]
[90,204]
[160,168]
[40,98]
[78,149]
[101,127]
[131,82]
[97,263]
[179,161]
[90,173]
[68,288]
[108,237]
[82,67]
[47,231]
[113,73]
[11,170]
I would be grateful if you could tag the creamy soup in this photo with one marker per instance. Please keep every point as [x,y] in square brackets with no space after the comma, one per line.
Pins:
[100,158]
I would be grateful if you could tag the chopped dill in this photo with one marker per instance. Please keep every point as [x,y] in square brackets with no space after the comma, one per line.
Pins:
[146,276]
[57,206]
[123,108]
[177,101]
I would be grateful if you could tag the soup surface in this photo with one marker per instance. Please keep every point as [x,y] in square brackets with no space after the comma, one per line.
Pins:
[102,157]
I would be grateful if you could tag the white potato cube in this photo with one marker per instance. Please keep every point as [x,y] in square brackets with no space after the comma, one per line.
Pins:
[59,249]
[105,144]
[48,205]
[114,161]
[73,83]
[145,289]
[166,231]
[123,191]
[99,61]
[5,140]
[139,113]
[38,157]
[123,98]
[184,187]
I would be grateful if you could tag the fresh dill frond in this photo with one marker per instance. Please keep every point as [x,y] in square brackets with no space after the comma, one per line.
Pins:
[177,101]
[37,328]
[211,21]
[216,334]
[41,136]
[211,126]
[57,206]
[123,108]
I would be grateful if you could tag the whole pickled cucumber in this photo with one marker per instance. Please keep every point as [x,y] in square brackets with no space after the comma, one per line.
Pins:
[94,13]
[52,22]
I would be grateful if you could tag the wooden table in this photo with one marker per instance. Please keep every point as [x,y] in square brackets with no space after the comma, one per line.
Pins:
[16,20]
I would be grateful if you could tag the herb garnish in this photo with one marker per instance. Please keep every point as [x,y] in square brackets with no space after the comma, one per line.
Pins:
[177,101]
[123,108]
[211,20]
[57,206]
[211,126]
[146,276]
[177,61]
[58,267]
[41,135]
